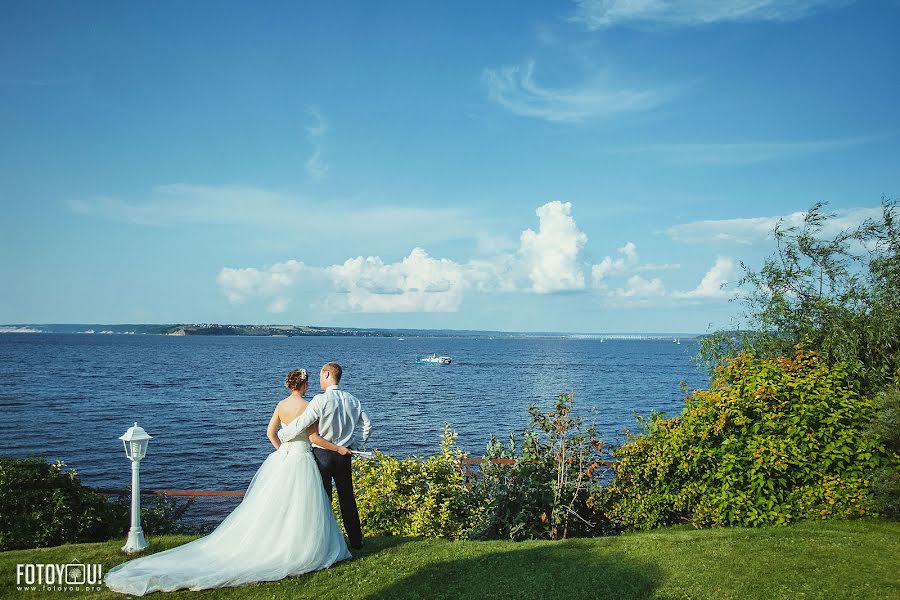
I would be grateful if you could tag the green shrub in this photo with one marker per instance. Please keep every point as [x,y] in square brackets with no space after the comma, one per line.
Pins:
[544,493]
[44,504]
[885,429]
[160,515]
[835,290]
[414,496]
[774,440]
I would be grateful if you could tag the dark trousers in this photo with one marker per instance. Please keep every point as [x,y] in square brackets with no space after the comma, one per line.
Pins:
[334,466]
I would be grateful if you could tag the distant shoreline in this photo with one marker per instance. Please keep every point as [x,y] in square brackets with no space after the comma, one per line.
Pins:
[215,329]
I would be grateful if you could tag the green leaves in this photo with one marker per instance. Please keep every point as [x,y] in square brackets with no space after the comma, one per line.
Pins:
[545,494]
[415,496]
[772,441]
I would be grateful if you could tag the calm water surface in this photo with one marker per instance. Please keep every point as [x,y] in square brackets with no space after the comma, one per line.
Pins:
[207,400]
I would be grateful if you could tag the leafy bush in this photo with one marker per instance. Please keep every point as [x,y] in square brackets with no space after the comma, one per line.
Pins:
[544,493]
[415,496]
[774,440]
[160,515]
[837,293]
[885,429]
[44,504]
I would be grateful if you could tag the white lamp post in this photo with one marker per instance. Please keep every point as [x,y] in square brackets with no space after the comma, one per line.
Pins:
[135,441]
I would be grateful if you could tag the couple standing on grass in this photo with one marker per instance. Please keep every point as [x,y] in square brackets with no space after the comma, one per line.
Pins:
[284,525]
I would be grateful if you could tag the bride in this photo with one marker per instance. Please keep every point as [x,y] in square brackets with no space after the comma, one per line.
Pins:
[284,525]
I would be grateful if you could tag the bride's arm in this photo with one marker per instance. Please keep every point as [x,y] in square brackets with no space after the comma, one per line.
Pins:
[272,429]
[321,442]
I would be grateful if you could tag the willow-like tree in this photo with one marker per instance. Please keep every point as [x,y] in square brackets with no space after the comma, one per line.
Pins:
[835,289]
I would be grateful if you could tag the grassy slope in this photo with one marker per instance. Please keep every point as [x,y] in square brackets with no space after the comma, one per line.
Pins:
[831,559]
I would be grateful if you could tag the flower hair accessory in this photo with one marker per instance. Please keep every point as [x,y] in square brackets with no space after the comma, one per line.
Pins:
[295,378]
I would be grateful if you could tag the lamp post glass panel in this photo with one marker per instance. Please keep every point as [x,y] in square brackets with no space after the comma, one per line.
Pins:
[135,441]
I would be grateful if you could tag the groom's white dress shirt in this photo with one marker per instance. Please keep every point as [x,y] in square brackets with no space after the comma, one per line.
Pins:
[342,420]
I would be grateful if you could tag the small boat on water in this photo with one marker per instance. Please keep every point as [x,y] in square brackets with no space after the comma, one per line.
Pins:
[434,359]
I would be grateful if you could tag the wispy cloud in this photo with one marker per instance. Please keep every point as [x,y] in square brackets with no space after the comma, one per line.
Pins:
[745,231]
[745,152]
[185,204]
[601,14]
[516,89]
[316,166]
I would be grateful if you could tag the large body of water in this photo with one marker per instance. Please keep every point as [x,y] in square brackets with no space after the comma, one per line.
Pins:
[207,400]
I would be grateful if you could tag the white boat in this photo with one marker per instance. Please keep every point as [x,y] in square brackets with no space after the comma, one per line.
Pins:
[440,360]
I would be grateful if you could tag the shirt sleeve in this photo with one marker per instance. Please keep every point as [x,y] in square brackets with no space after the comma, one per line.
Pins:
[366,423]
[312,414]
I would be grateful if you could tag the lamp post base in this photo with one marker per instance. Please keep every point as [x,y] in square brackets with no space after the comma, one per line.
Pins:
[136,541]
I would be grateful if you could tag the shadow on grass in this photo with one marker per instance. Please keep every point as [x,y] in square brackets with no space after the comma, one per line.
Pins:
[559,570]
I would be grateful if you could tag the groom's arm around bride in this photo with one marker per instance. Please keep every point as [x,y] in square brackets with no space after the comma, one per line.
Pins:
[342,419]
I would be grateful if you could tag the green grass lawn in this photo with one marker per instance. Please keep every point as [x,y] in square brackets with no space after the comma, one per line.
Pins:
[829,559]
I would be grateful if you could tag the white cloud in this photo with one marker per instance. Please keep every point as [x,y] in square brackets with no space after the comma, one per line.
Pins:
[418,283]
[639,291]
[640,288]
[747,231]
[546,261]
[316,166]
[610,266]
[657,267]
[254,207]
[745,152]
[552,254]
[600,14]
[272,283]
[711,286]
[515,89]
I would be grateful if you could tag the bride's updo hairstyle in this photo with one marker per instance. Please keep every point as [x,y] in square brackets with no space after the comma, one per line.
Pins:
[295,379]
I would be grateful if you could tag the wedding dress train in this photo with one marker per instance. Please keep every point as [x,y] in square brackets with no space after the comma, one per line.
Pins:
[284,526]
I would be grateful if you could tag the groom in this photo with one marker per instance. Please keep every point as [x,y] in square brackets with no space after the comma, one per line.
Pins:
[343,422]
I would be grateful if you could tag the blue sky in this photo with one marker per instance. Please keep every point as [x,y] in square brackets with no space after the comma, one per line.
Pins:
[593,166]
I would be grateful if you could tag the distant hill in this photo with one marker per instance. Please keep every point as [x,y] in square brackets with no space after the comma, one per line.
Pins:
[185,329]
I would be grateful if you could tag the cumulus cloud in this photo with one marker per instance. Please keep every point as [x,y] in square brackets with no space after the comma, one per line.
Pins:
[714,281]
[640,288]
[516,89]
[272,283]
[640,291]
[547,260]
[747,231]
[601,14]
[612,266]
[418,283]
[552,253]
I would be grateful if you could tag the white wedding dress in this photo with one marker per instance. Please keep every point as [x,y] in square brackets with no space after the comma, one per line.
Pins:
[284,526]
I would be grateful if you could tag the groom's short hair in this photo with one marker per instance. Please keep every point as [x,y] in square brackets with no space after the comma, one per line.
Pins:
[335,370]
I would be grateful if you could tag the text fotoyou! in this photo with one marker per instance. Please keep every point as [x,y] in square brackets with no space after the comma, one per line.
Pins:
[72,577]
